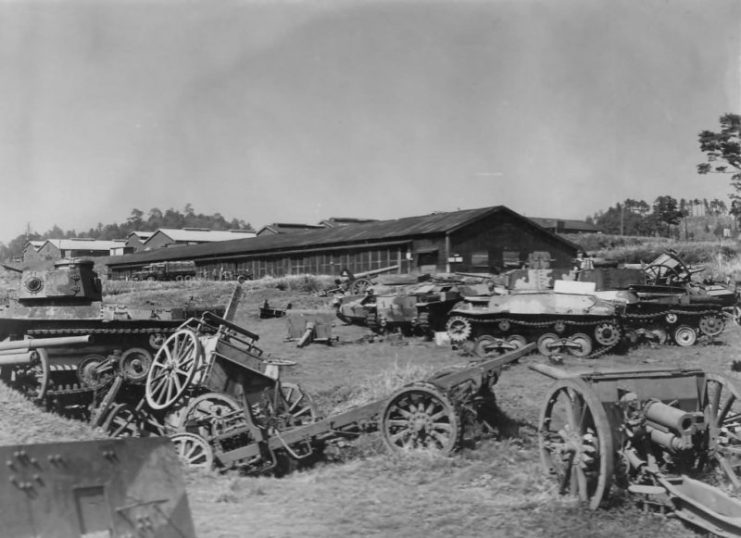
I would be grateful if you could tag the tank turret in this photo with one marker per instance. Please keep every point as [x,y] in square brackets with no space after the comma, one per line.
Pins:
[70,281]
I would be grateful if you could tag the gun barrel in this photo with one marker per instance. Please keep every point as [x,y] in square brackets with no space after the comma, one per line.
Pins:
[40,343]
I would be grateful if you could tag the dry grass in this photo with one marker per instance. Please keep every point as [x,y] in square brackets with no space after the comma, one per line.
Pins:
[495,488]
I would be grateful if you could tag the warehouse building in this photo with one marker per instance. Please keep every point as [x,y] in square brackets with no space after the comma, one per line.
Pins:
[488,239]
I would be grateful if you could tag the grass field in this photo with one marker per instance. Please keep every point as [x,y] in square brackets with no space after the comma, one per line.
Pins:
[495,488]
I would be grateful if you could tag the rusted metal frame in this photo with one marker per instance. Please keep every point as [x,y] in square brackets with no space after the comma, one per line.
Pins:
[323,428]
[482,369]
[229,325]
[559,373]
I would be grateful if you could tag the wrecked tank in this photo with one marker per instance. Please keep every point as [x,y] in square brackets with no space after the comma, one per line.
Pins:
[66,300]
[415,310]
[581,324]
[671,305]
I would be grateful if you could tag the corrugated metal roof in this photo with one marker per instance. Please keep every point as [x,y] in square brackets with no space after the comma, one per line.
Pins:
[83,244]
[372,232]
[203,236]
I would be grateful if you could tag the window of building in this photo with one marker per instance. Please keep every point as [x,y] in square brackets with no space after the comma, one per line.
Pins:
[480,258]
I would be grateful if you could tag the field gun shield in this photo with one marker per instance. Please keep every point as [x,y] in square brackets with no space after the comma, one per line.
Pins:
[112,488]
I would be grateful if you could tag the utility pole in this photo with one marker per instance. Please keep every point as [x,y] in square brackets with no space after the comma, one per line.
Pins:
[622,218]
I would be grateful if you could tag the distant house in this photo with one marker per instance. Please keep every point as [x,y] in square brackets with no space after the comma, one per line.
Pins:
[565,226]
[136,240]
[55,249]
[286,228]
[165,237]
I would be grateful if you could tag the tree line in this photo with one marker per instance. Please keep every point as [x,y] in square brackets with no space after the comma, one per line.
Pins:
[138,221]
[637,217]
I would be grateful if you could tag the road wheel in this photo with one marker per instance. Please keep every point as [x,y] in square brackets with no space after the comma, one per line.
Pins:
[685,336]
[548,344]
[580,345]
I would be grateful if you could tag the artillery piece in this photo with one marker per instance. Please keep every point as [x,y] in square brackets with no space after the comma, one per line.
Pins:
[224,403]
[672,438]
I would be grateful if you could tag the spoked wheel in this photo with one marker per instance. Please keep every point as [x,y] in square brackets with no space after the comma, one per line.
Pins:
[212,414]
[580,345]
[296,405]
[576,441]
[685,336]
[32,379]
[134,364]
[193,450]
[488,346]
[173,369]
[459,329]
[721,401]
[122,420]
[359,286]
[547,344]
[420,417]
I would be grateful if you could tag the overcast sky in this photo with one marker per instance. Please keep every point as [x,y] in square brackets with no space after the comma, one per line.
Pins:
[299,111]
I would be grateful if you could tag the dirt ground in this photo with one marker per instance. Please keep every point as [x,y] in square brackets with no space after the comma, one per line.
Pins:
[495,488]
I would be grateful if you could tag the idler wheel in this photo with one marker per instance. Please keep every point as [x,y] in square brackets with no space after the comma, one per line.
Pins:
[712,324]
[135,363]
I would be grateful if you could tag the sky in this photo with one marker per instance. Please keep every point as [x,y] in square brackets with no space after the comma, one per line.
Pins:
[297,111]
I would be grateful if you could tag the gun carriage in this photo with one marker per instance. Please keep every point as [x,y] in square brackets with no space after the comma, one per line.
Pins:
[672,438]
[231,408]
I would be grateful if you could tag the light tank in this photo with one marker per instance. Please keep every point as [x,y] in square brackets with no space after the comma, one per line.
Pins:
[66,300]
[578,323]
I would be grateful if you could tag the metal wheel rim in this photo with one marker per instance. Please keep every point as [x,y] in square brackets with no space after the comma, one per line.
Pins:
[420,417]
[173,369]
[487,346]
[584,343]
[612,337]
[517,341]
[568,449]
[135,363]
[685,336]
[712,325]
[193,450]
[211,414]
[459,329]
[544,341]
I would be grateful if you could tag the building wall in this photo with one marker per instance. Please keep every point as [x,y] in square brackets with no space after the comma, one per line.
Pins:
[158,240]
[135,243]
[491,245]
[483,246]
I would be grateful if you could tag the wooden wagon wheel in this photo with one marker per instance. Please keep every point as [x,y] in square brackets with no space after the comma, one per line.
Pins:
[193,450]
[721,402]
[576,442]
[32,379]
[421,416]
[134,364]
[173,369]
[297,404]
[211,414]
[122,421]
[359,286]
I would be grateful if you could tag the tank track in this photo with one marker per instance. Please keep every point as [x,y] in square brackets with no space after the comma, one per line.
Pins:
[624,321]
